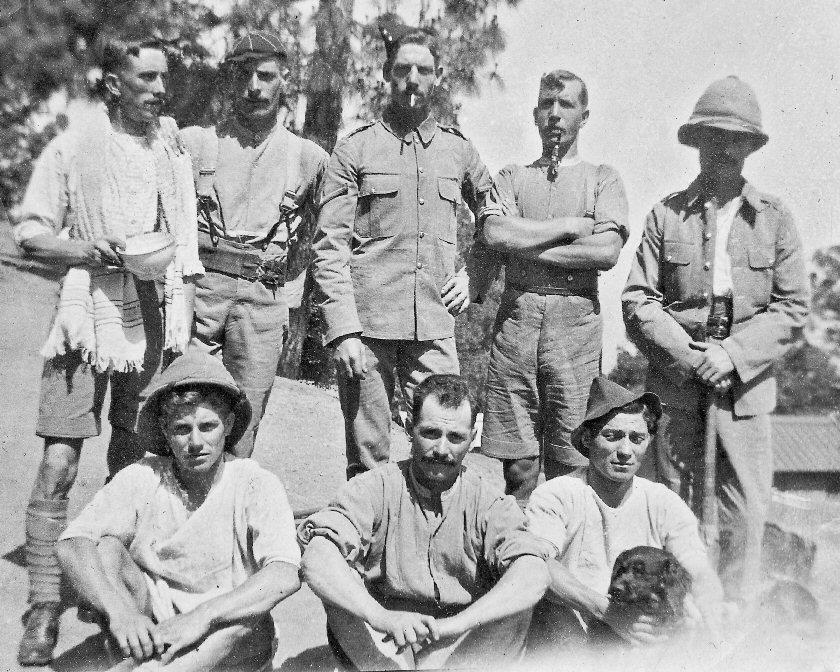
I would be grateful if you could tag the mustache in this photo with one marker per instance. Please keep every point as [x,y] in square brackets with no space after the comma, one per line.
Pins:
[446,461]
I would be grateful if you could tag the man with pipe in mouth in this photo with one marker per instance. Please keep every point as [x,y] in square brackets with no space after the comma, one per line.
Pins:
[385,248]
[425,564]
[255,180]
[716,295]
[554,224]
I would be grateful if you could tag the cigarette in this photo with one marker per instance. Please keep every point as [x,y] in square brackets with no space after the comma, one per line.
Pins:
[411,100]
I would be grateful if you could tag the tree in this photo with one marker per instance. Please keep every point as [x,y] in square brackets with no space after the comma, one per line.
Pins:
[45,48]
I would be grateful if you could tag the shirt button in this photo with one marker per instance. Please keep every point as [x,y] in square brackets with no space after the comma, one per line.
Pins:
[419,264]
[708,236]
[705,295]
[421,169]
[421,201]
[570,278]
[523,273]
[668,258]
[422,233]
[707,265]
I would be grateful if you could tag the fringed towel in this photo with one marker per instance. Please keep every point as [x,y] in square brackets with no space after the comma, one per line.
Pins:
[126,186]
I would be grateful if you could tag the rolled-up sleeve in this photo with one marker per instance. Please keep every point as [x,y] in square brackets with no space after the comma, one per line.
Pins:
[507,536]
[46,199]
[547,512]
[337,201]
[611,209]
[350,519]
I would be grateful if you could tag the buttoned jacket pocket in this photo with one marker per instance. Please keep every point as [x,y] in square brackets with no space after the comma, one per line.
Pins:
[759,278]
[450,197]
[676,270]
[377,211]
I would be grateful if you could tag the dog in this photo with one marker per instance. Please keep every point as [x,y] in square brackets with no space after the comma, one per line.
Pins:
[648,581]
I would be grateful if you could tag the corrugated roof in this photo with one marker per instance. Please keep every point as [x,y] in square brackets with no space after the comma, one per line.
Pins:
[806,443]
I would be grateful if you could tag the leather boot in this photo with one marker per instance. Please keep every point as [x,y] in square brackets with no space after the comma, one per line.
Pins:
[40,634]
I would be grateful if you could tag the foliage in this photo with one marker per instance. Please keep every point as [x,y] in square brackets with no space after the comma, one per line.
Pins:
[808,382]
[630,369]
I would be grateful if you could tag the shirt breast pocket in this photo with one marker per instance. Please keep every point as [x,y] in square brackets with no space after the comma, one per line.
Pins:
[450,196]
[378,205]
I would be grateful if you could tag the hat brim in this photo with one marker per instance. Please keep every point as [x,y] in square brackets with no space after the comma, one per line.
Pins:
[688,133]
[650,400]
[149,424]
[255,56]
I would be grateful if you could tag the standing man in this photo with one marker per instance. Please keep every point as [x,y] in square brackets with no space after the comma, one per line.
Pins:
[556,224]
[255,181]
[386,246]
[116,174]
[424,564]
[716,295]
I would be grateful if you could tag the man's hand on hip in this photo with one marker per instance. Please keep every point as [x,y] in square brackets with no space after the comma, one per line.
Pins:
[349,356]
[456,293]
[715,364]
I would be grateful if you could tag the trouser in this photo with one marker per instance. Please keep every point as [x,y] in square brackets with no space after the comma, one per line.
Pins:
[546,352]
[744,479]
[243,322]
[493,646]
[366,403]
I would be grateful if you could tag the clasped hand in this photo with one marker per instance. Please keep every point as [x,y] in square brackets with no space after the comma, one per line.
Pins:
[140,638]
[714,366]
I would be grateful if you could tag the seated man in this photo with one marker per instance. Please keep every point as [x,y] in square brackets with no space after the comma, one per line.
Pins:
[598,511]
[184,554]
[425,552]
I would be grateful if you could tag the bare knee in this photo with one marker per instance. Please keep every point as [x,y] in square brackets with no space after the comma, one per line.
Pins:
[521,476]
[58,469]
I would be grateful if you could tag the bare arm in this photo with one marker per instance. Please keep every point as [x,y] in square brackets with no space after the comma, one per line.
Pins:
[258,595]
[520,588]
[509,233]
[133,630]
[49,248]
[597,251]
[331,578]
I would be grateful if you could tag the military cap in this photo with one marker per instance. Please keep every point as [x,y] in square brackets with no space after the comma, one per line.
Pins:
[256,44]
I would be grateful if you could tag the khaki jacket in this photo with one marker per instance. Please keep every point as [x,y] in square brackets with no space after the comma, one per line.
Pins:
[669,291]
[386,239]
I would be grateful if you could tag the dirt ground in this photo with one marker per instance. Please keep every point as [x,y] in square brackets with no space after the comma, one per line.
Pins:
[301,440]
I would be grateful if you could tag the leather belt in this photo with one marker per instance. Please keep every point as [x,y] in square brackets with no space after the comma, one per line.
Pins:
[241,261]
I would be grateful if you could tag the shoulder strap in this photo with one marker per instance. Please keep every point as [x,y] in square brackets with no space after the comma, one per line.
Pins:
[204,165]
[294,151]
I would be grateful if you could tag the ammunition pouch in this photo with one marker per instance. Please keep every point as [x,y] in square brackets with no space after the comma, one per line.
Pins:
[241,260]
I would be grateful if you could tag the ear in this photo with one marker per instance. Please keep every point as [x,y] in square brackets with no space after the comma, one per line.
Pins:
[439,75]
[584,118]
[112,83]
[229,420]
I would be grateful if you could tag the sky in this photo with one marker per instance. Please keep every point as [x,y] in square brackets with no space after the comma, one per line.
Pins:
[645,63]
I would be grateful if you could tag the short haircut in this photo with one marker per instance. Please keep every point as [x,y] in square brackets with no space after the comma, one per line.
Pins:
[186,396]
[449,390]
[558,79]
[112,51]
[423,36]
[595,425]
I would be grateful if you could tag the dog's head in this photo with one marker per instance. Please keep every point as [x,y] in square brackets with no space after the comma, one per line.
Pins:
[651,581]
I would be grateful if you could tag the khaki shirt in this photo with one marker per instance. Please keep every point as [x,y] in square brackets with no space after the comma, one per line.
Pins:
[669,293]
[383,524]
[386,239]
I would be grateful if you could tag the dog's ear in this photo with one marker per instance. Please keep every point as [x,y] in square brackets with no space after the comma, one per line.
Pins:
[674,583]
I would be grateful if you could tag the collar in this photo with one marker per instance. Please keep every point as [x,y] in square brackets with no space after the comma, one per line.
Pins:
[231,126]
[426,130]
[425,495]
[749,194]
[545,161]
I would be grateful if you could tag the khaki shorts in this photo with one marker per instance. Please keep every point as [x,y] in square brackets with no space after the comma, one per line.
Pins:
[72,392]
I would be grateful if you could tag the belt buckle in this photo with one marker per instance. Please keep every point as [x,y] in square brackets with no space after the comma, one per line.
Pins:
[269,276]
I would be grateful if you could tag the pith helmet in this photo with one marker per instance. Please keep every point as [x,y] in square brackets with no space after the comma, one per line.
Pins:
[729,104]
[194,368]
[604,397]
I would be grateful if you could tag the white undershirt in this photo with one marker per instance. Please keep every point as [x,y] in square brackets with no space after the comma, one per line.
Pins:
[722,278]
